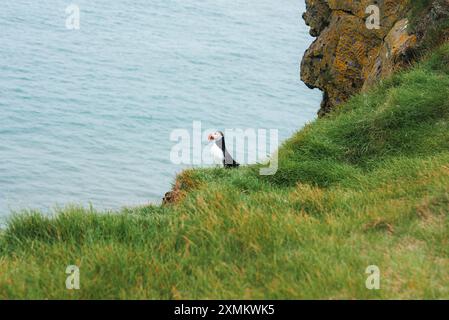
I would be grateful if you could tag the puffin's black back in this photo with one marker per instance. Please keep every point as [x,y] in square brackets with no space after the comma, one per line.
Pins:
[228,161]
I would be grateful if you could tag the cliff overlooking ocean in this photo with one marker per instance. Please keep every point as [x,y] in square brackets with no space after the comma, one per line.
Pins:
[87,114]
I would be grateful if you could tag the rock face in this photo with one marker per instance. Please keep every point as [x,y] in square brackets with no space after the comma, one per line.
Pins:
[396,52]
[347,55]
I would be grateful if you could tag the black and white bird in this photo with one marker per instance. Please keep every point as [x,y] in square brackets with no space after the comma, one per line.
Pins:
[218,151]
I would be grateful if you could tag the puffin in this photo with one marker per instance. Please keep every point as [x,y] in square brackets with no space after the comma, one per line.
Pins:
[219,152]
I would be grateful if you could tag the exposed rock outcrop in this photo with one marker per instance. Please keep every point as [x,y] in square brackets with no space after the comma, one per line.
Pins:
[396,52]
[347,56]
[183,184]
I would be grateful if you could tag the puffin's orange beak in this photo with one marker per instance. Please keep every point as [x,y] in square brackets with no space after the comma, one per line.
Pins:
[210,137]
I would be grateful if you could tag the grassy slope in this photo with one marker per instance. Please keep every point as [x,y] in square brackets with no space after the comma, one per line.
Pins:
[367,185]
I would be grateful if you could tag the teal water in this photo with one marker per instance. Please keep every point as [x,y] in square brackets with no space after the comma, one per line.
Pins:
[85,115]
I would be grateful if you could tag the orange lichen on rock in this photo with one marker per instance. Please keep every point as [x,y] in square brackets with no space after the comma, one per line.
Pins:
[347,55]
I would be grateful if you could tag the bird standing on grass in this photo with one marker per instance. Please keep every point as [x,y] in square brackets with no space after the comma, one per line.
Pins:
[219,152]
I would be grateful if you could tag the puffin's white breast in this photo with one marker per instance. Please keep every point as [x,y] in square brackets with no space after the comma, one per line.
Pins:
[217,154]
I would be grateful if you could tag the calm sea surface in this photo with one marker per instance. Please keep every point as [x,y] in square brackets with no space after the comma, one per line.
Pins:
[86,115]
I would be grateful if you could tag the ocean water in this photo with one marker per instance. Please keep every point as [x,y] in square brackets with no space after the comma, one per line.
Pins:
[86,115]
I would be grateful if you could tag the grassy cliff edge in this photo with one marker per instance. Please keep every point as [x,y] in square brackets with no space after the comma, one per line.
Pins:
[366,185]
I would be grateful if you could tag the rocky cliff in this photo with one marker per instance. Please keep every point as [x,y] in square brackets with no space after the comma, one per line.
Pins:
[353,50]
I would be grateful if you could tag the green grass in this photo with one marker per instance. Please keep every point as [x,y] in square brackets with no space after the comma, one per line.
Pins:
[366,185]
